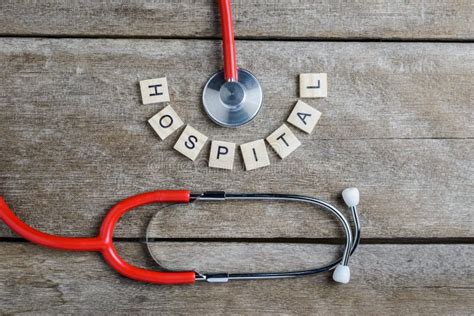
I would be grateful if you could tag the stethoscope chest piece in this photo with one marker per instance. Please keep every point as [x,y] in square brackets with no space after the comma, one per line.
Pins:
[232,103]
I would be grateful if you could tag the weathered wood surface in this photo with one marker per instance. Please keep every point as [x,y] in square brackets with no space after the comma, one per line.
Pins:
[398,124]
[386,280]
[234,257]
[379,19]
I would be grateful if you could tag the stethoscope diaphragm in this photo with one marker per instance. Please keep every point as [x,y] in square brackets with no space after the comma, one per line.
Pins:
[232,103]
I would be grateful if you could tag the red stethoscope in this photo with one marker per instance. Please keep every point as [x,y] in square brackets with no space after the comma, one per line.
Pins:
[103,243]
[232,97]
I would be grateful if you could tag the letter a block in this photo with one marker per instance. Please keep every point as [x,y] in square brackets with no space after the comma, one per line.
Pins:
[313,85]
[165,122]
[154,90]
[283,141]
[222,155]
[190,143]
[255,154]
[304,117]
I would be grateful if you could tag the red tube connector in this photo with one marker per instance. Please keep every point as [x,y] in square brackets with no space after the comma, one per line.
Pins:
[228,42]
[104,242]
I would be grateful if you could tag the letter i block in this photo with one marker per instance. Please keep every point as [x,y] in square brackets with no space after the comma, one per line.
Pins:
[255,154]
[313,85]
[222,155]
[165,122]
[190,143]
[283,141]
[154,90]
[304,117]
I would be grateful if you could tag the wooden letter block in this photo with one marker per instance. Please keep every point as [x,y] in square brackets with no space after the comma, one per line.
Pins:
[222,155]
[154,90]
[313,85]
[190,143]
[283,141]
[304,117]
[255,154]
[165,122]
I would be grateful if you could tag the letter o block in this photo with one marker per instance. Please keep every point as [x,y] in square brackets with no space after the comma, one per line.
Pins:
[165,122]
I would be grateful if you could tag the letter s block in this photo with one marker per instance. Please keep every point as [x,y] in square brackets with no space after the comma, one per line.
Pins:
[190,143]
[222,155]
[165,122]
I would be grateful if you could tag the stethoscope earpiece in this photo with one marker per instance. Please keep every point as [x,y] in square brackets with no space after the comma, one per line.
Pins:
[342,274]
[351,196]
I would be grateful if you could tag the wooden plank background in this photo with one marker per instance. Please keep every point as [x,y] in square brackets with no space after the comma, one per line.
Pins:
[390,279]
[398,123]
[342,19]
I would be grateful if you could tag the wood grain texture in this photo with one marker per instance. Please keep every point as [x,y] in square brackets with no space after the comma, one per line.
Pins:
[386,279]
[398,123]
[373,19]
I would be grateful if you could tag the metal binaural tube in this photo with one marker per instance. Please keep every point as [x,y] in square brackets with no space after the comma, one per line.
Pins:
[352,239]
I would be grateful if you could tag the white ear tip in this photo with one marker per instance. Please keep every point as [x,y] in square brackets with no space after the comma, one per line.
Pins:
[342,274]
[351,196]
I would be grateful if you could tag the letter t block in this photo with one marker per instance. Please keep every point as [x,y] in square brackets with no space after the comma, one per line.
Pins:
[283,141]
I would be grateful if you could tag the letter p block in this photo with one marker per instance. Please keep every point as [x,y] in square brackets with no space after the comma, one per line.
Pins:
[222,155]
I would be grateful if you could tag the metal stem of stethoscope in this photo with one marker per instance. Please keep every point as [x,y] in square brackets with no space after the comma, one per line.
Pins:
[352,239]
[232,97]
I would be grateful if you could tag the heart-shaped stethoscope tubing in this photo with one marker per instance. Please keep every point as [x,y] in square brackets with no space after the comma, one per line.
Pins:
[340,265]
[232,97]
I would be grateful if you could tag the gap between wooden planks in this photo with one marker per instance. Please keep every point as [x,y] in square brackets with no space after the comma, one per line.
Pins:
[327,19]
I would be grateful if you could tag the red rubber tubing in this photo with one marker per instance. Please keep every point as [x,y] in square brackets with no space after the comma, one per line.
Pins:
[228,42]
[104,242]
